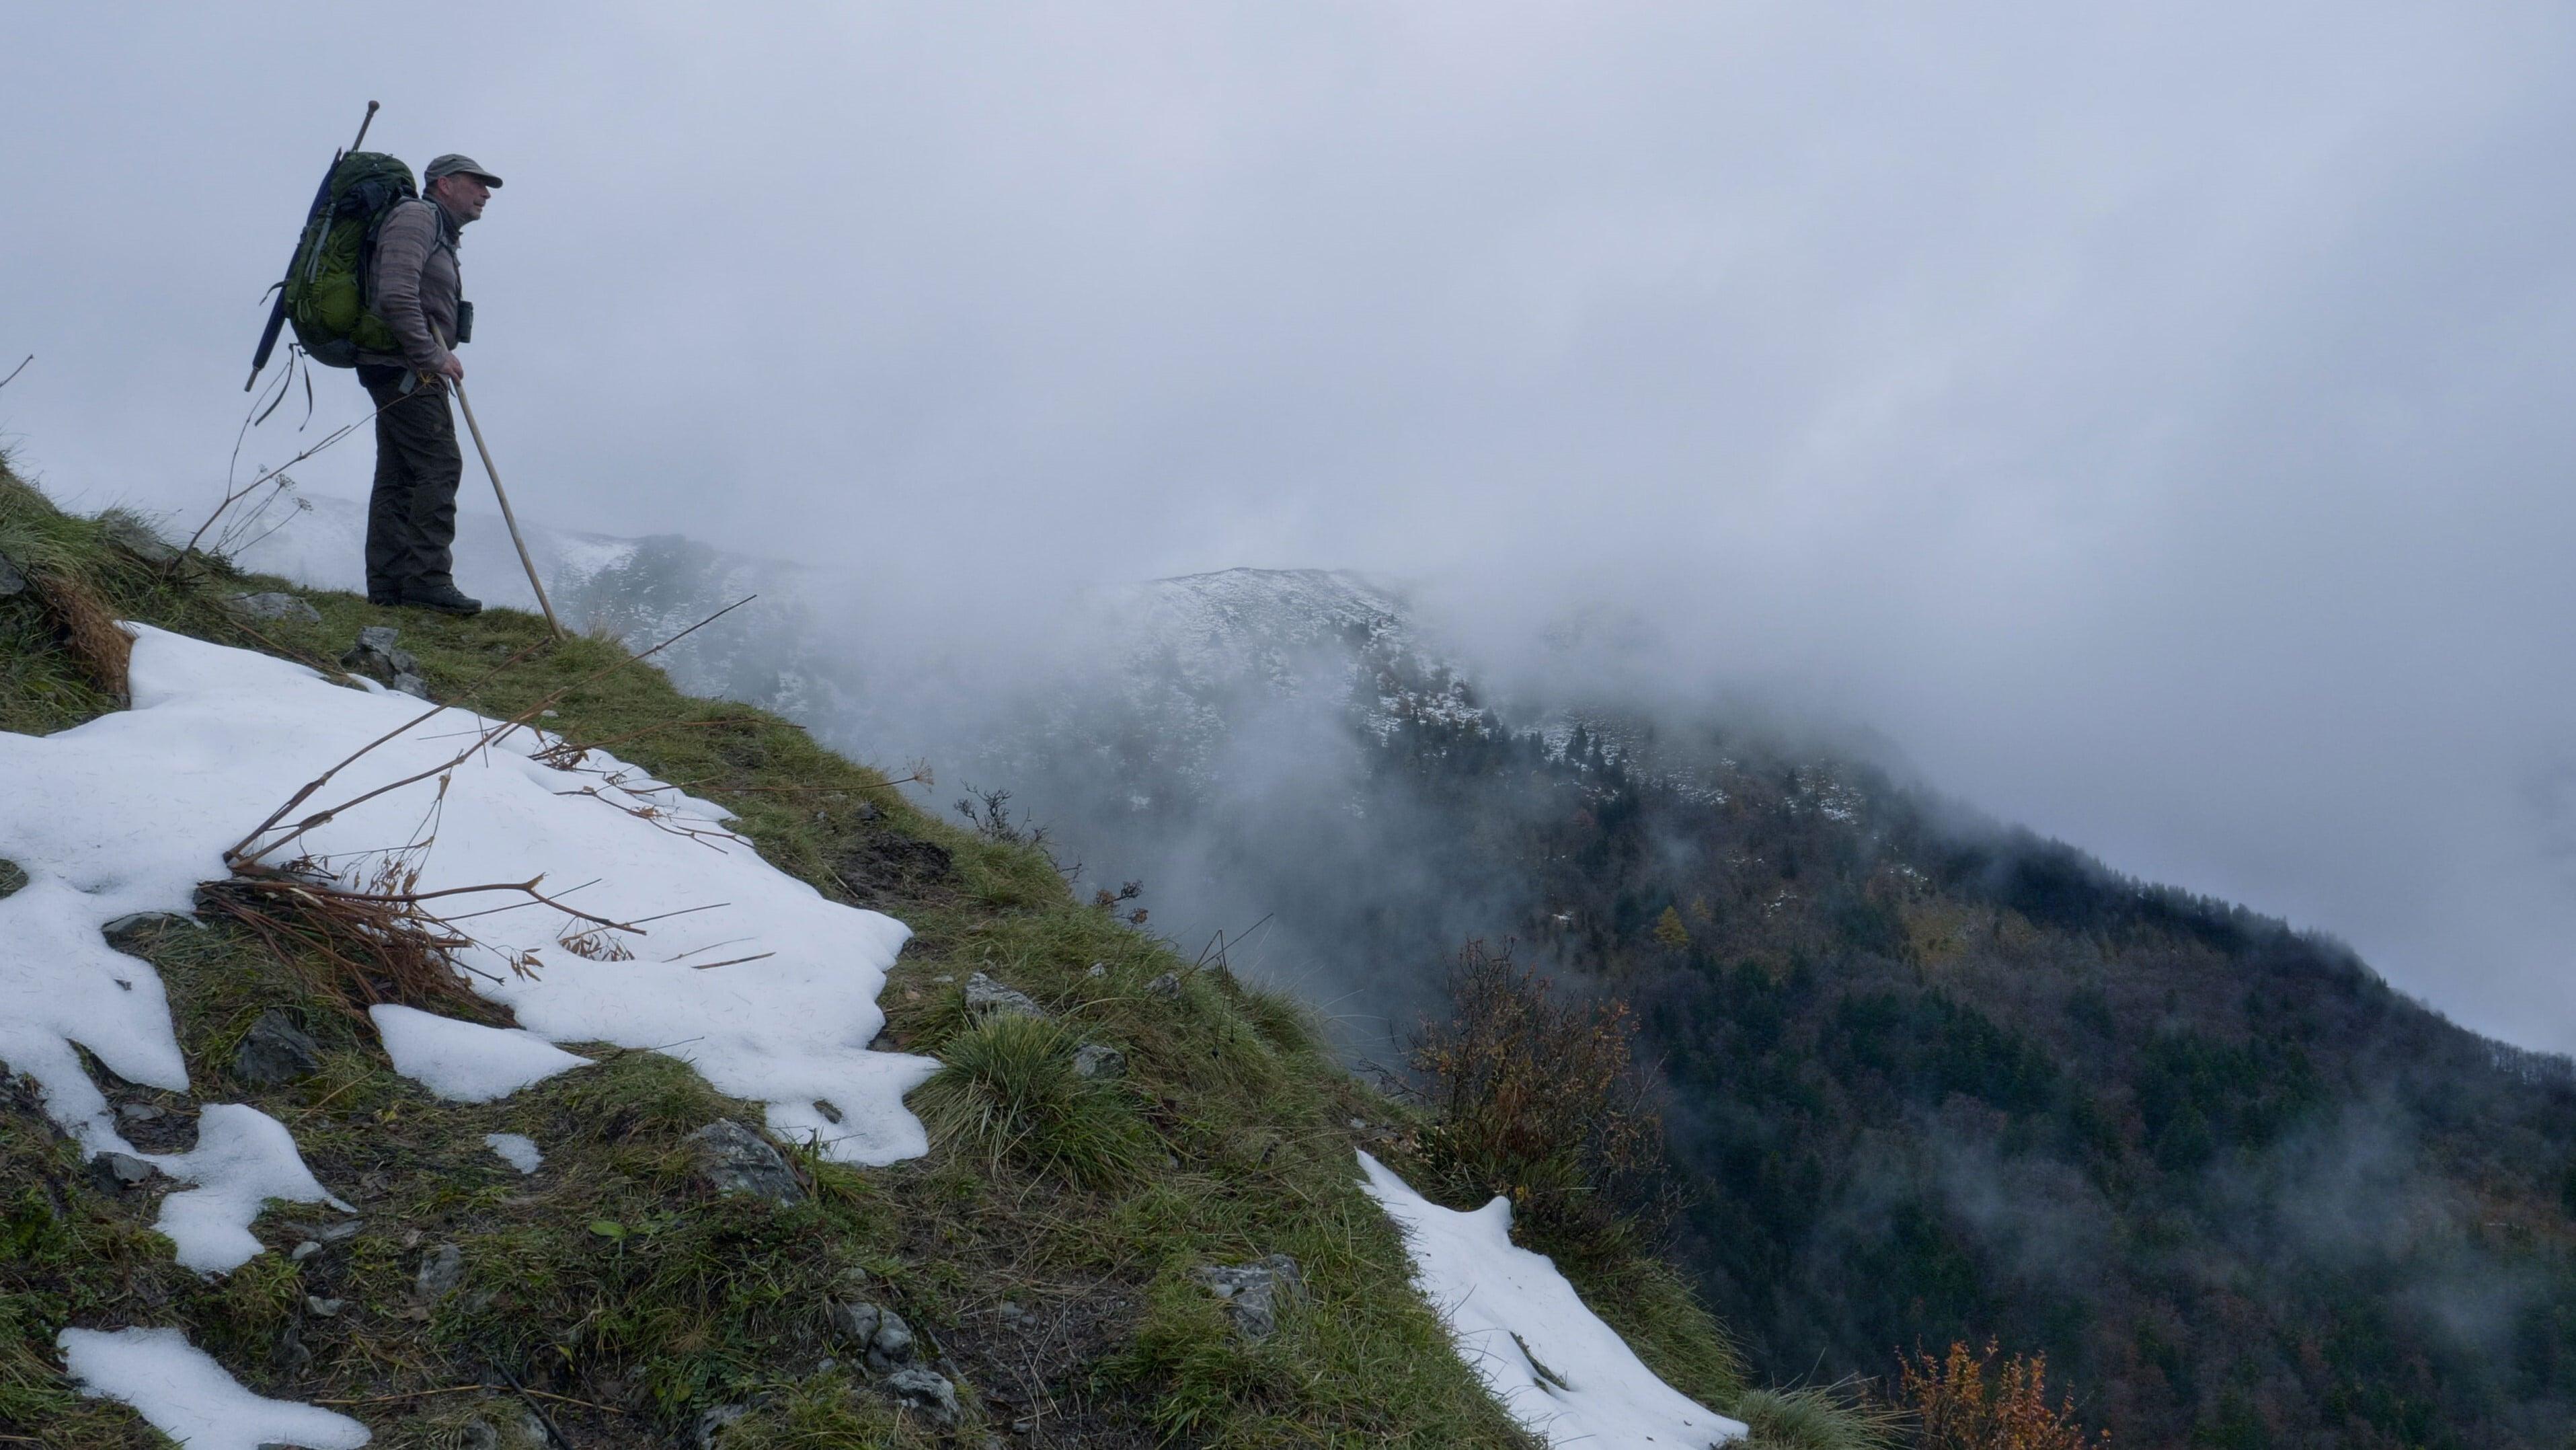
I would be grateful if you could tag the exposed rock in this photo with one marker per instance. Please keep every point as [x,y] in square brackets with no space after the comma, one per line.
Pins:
[275,1051]
[273,606]
[136,537]
[13,878]
[1166,986]
[857,1322]
[441,1270]
[503,1429]
[133,934]
[1093,1060]
[929,1393]
[878,1332]
[140,1113]
[324,1308]
[120,1172]
[289,1353]
[714,1422]
[1254,1292]
[983,994]
[378,656]
[410,684]
[735,1159]
[341,1232]
[11,581]
[1096,970]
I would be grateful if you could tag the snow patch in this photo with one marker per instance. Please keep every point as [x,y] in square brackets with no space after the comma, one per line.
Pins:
[756,979]
[190,1398]
[466,1062]
[243,1158]
[517,1150]
[1556,1368]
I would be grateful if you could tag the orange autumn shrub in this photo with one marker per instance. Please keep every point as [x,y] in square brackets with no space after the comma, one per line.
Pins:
[1964,1401]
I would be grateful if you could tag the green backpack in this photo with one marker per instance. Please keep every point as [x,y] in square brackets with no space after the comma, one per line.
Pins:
[326,289]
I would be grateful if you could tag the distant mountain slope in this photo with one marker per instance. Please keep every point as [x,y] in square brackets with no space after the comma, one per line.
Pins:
[1931,1077]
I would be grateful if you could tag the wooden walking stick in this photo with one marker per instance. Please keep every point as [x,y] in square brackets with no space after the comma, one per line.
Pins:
[507,517]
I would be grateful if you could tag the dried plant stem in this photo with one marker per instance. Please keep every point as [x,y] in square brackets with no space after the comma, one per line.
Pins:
[236,495]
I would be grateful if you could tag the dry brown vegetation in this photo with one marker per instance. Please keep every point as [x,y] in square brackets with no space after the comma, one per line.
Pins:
[1966,1401]
[1537,1096]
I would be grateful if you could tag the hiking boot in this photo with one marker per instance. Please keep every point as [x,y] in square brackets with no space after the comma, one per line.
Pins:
[442,597]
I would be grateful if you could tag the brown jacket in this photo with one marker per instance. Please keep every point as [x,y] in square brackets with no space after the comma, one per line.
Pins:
[415,284]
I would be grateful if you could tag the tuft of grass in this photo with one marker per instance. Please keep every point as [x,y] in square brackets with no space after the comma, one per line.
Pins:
[1290,1026]
[1007,1088]
[1817,1417]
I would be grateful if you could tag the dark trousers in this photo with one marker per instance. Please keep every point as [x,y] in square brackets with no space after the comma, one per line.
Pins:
[411,515]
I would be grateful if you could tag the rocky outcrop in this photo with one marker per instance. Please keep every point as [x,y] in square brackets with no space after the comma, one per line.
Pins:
[734,1159]
[275,1052]
[1254,1293]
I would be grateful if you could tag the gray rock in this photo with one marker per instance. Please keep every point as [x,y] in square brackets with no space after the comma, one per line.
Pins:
[140,1112]
[478,1435]
[133,934]
[377,656]
[1254,1293]
[441,1270]
[341,1232]
[929,1393]
[410,684]
[857,1322]
[275,1051]
[136,537]
[273,606]
[983,994]
[324,1308]
[303,1251]
[713,1424]
[737,1160]
[1166,986]
[877,1332]
[289,1352]
[891,1345]
[1097,970]
[1092,1060]
[120,1172]
[13,878]
[11,581]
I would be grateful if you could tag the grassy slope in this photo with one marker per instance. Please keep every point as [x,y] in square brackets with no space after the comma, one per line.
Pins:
[614,1282]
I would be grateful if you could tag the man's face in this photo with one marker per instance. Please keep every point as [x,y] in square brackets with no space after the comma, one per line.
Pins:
[464,193]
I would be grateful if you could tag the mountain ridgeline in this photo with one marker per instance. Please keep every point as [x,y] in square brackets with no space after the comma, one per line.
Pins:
[1927,1078]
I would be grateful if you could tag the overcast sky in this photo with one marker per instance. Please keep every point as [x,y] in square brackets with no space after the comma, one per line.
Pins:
[2155,419]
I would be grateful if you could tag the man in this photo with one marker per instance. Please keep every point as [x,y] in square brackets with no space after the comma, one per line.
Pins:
[415,287]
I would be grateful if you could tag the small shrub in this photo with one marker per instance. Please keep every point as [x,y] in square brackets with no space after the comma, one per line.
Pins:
[1540,1100]
[1008,1087]
[1965,1401]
